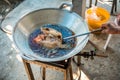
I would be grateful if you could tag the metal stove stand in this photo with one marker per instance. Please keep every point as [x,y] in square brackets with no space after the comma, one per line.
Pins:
[63,66]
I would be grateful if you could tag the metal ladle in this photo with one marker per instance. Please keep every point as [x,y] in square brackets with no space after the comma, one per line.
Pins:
[73,36]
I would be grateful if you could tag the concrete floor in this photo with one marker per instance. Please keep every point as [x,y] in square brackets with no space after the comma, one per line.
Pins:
[11,67]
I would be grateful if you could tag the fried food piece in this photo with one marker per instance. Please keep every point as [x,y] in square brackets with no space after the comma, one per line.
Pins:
[50,31]
[50,38]
[39,38]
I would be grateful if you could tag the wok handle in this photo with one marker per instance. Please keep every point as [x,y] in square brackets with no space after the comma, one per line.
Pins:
[3,30]
[66,6]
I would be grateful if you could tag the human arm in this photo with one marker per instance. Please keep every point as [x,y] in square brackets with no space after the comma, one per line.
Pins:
[111,28]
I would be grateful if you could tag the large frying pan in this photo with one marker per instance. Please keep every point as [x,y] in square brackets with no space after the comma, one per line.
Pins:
[30,22]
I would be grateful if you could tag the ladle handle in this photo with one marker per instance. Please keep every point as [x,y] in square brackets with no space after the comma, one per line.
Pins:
[100,29]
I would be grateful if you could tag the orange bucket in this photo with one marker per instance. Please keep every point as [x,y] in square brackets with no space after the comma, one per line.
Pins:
[96,16]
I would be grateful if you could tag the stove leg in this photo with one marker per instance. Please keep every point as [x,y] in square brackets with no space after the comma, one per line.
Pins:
[28,70]
[44,73]
[65,75]
[71,73]
[79,65]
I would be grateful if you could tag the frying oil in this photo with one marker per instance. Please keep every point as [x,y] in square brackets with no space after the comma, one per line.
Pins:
[52,53]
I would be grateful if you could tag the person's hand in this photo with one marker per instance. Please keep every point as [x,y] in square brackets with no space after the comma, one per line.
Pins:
[110,28]
[118,19]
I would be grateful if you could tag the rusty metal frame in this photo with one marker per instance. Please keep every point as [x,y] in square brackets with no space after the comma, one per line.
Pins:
[45,65]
